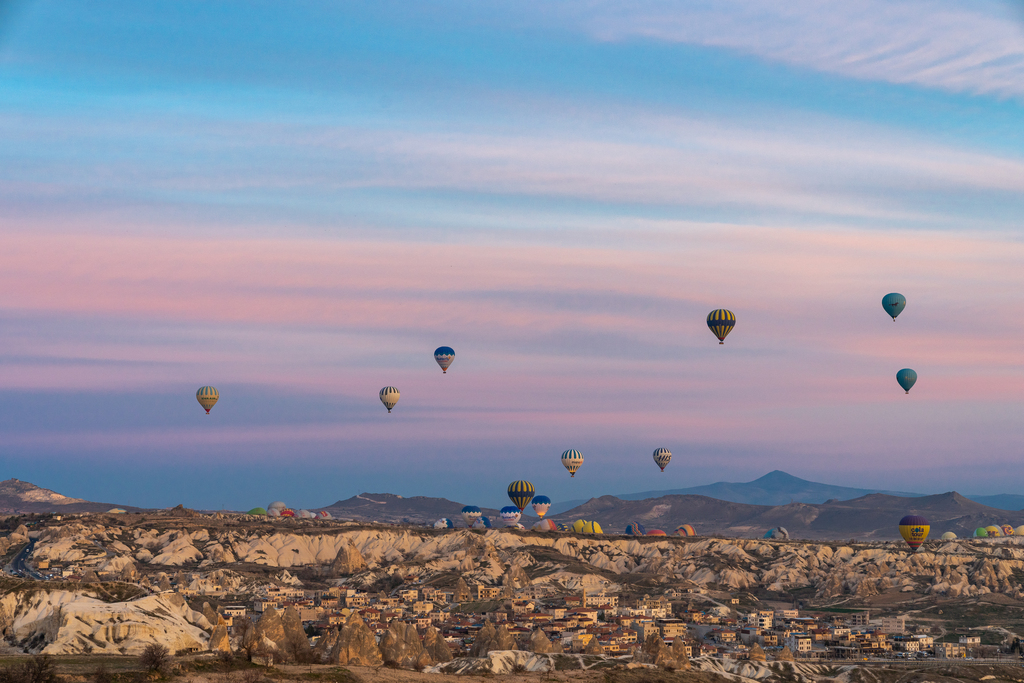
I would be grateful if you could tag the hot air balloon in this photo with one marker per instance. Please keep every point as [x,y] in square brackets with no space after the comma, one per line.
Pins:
[906,377]
[564,527]
[470,514]
[894,304]
[662,457]
[389,397]
[777,533]
[1006,529]
[444,355]
[545,525]
[721,322]
[656,532]
[993,531]
[510,514]
[273,513]
[635,529]
[444,523]
[949,536]
[482,523]
[1019,531]
[304,514]
[914,530]
[276,505]
[258,512]
[287,513]
[541,505]
[980,532]
[207,397]
[571,460]
[520,493]
[685,530]
[324,514]
[582,526]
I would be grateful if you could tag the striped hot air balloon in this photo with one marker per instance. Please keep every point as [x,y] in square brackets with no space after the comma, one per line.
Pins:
[906,378]
[389,397]
[914,529]
[571,460]
[685,530]
[470,514]
[520,493]
[721,322]
[544,525]
[656,532]
[1007,529]
[510,515]
[207,397]
[894,304]
[635,529]
[444,355]
[662,457]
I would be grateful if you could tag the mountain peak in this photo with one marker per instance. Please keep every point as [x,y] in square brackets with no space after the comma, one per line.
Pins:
[778,477]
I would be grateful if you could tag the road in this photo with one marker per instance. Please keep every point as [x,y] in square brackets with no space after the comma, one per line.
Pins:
[19,566]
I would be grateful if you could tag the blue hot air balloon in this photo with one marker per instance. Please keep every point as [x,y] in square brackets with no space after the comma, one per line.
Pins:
[444,355]
[894,304]
[483,523]
[470,514]
[520,493]
[541,505]
[635,529]
[907,378]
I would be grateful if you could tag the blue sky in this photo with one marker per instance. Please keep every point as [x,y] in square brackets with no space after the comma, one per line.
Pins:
[297,203]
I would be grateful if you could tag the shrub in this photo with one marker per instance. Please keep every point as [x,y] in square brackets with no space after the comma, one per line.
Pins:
[38,669]
[101,675]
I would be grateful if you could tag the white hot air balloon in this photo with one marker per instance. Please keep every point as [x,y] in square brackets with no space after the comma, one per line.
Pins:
[571,460]
[389,397]
[662,457]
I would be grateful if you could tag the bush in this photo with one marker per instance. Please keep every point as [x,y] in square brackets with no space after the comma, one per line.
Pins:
[155,657]
[39,669]
[101,675]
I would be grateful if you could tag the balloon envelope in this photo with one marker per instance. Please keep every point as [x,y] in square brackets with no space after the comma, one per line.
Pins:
[914,530]
[389,397]
[571,460]
[470,514]
[948,536]
[894,304]
[277,505]
[685,530]
[482,523]
[980,532]
[444,523]
[541,505]
[520,493]
[662,457]
[721,322]
[1006,529]
[510,514]
[906,378]
[656,532]
[444,355]
[207,397]
[993,531]
[635,529]
[257,511]
[545,525]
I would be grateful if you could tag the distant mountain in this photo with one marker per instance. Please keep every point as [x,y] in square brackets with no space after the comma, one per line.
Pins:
[780,488]
[874,516]
[387,507]
[21,497]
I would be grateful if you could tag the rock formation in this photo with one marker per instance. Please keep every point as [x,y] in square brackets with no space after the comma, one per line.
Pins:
[461,591]
[401,645]
[322,651]
[356,644]
[593,647]
[348,561]
[654,651]
[296,643]
[785,655]
[679,652]
[756,654]
[539,642]
[210,613]
[220,641]
[434,645]
[490,638]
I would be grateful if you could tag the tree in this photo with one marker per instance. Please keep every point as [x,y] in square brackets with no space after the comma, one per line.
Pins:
[155,657]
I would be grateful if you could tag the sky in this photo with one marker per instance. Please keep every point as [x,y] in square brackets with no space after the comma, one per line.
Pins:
[297,202]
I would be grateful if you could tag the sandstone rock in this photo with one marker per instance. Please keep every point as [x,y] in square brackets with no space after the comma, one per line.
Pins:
[785,655]
[461,591]
[484,641]
[322,651]
[756,654]
[539,642]
[679,652]
[515,577]
[356,645]
[654,651]
[89,576]
[593,647]
[219,639]
[434,645]
[296,643]
[401,645]
[210,614]
[348,561]
[503,640]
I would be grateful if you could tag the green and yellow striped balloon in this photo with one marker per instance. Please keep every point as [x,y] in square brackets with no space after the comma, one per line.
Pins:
[207,397]
[721,322]
[520,493]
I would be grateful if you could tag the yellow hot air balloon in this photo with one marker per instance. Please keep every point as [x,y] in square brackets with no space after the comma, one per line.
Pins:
[914,530]
[993,531]
[207,397]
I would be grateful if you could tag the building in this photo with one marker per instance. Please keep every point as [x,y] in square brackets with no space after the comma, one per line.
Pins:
[949,651]
[799,643]
[970,641]
[894,624]
[860,619]
[671,628]
[481,593]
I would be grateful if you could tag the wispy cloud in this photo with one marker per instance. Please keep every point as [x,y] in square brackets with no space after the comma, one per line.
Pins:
[971,47]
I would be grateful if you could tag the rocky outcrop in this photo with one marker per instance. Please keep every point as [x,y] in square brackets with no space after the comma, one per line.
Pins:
[348,561]
[785,655]
[210,613]
[654,651]
[296,643]
[461,591]
[356,645]
[539,642]
[220,641]
[756,653]
[322,650]
[490,638]
[401,645]
[593,647]
[679,652]
[434,645]
[515,578]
